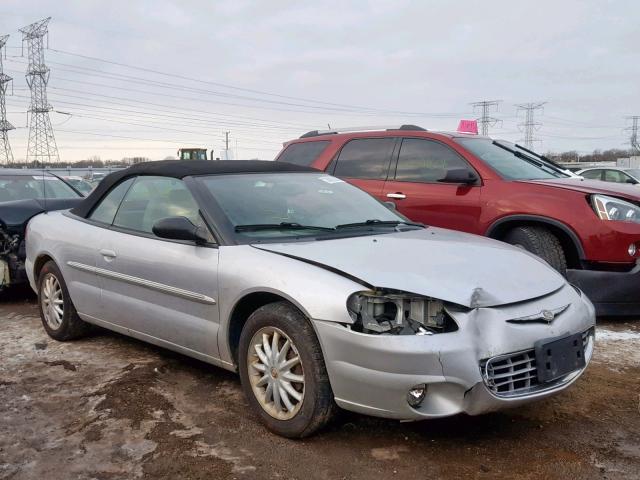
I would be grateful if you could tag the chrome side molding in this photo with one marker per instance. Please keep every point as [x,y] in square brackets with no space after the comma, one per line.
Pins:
[160,287]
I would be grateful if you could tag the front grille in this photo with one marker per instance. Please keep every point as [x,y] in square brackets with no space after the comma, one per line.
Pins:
[511,374]
[516,374]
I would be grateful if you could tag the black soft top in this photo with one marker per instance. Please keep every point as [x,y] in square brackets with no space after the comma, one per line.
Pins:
[181,169]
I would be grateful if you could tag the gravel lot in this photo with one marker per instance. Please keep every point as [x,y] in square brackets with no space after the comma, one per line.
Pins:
[109,407]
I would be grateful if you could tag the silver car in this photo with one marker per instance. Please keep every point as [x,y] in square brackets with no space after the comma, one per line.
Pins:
[315,292]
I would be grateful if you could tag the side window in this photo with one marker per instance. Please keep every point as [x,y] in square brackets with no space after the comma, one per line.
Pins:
[614,176]
[592,174]
[366,158]
[303,153]
[426,161]
[153,198]
[107,208]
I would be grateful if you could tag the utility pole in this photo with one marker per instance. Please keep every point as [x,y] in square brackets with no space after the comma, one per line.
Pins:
[42,146]
[529,125]
[6,156]
[485,120]
[633,132]
[226,146]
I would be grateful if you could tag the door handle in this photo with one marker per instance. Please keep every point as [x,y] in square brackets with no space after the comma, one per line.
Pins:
[108,253]
[397,195]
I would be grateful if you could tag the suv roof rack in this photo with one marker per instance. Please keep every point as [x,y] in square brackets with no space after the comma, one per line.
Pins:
[315,133]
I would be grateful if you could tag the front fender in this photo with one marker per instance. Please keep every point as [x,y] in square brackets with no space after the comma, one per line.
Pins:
[318,293]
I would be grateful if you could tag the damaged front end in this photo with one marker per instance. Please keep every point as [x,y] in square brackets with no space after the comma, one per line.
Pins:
[398,313]
[14,216]
[12,255]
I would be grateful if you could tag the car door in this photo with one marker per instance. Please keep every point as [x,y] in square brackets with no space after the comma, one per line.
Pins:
[162,288]
[81,257]
[364,162]
[415,188]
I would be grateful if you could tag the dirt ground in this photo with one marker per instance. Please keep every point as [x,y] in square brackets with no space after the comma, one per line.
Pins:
[109,407]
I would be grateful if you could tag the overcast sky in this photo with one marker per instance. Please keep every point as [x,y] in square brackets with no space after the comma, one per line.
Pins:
[269,71]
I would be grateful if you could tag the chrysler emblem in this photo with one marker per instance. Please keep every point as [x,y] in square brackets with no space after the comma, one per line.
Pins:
[547,316]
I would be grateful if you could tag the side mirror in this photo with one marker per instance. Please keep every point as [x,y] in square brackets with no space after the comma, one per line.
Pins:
[459,175]
[390,205]
[631,181]
[178,228]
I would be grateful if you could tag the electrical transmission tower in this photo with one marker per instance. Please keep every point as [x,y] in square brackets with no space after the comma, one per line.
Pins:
[42,146]
[485,120]
[6,156]
[529,125]
[633,132]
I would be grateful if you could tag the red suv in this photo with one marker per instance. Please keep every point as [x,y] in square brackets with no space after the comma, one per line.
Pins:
[588,230]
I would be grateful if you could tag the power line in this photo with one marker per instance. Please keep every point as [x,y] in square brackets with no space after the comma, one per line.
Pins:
[485,120]
[529,125]
[132,79]
[6,155]
[128,137]
[340,106]
[42,144]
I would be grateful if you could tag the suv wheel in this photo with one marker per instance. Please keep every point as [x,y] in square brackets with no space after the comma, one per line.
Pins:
[541,242]
[283,373]
[59,316]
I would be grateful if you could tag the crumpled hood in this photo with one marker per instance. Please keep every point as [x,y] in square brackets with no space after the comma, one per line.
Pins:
[456,267]
[631,192]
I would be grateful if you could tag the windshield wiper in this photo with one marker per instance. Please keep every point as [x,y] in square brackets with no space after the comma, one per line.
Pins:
[533,161]
[375,222]
[279,226]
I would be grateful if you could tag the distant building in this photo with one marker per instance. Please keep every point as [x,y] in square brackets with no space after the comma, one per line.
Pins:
[630,162]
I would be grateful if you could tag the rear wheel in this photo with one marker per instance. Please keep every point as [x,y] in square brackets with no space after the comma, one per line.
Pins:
[283,373]
[541,242]
[59,316]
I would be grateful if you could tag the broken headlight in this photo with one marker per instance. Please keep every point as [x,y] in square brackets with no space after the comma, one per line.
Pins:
[384,312]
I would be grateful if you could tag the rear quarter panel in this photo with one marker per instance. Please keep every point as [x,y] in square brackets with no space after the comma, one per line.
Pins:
[63,238]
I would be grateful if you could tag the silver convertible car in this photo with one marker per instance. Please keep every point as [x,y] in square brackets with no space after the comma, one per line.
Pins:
[315,292]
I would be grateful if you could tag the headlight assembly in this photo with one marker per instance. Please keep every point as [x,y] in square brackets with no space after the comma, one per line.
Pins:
[609,208]
[398,313]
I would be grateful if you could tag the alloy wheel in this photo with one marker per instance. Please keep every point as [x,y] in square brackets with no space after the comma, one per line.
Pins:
[52,301]
[276,373]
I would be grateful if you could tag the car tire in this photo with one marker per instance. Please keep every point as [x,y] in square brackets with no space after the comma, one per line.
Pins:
[541,242]
[59,317]
[309,404]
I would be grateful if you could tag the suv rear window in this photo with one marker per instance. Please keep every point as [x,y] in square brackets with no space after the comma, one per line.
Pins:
[365,158]
[303,153]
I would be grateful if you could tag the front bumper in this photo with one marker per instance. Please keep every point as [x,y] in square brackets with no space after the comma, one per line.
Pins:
[371,374]
[612,293]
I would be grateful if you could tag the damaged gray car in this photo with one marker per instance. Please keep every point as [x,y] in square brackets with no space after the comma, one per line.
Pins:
[316,293]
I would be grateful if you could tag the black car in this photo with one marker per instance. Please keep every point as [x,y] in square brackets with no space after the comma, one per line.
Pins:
[24,194]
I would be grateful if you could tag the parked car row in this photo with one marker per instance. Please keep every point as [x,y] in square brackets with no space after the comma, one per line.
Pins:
[321,296]
[588,230]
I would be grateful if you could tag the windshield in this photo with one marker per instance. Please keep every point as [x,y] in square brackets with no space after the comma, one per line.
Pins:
[634,172]
[277,205]
[510,161]
[26,187]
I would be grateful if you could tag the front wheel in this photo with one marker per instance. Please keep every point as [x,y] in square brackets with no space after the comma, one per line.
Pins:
[283,373]
[59,316]
[541,242]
